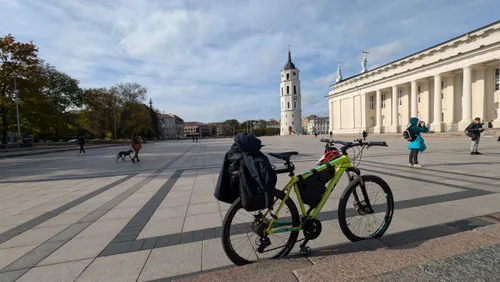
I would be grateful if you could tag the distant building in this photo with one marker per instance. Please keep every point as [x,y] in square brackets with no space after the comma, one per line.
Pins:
[172,126]
[319,125]
[196,129]
[272,124]
[220,129]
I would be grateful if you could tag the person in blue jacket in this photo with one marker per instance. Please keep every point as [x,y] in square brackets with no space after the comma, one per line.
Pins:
[418,145]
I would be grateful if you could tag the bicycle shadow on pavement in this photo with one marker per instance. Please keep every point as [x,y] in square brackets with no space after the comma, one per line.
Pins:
[402,240]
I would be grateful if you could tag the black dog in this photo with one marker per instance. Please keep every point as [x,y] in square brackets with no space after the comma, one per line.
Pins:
[123,154]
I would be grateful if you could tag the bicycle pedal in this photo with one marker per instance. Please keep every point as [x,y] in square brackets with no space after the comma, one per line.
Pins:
[306,250]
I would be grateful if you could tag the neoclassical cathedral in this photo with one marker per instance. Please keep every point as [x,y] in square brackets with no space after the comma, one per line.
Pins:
[291,113]
[446,85]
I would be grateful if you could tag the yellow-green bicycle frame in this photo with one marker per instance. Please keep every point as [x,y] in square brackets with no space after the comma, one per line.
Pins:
[342,164]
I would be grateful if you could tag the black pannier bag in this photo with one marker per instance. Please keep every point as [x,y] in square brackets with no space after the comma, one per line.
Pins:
[312,188]
[251,198]
[248,174]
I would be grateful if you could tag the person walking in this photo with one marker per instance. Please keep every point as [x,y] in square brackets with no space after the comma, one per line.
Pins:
[81,142]
[331,135]
[136,146]
[474,131]
[417,145]
[365,134]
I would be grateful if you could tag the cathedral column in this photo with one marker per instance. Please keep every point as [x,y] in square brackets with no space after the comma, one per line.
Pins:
[466,99]
[378,111]
[395,114]
[437,125]
[480,96]
[413,100]
[496,122]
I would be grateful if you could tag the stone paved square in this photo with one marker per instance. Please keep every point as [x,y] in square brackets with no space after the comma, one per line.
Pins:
[88,218]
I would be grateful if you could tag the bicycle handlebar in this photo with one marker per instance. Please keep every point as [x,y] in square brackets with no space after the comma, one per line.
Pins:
[347,145]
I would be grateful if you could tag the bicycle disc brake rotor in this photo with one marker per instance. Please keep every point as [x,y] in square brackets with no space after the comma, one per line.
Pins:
[312,229]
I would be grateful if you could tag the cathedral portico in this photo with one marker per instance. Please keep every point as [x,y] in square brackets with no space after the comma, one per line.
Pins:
[446,86]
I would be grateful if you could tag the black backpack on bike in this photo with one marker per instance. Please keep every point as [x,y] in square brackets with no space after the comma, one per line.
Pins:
[251,173]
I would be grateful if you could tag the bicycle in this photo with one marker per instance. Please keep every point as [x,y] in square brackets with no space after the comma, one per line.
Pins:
[276,222]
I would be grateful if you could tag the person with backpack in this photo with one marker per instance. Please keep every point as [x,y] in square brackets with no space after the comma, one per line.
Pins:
[417,144]
[474,131]
[136,145]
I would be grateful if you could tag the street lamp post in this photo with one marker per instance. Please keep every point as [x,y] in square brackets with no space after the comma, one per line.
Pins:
[17,109]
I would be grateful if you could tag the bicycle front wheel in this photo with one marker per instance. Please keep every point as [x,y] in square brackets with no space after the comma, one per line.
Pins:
[243,240]
[365,212]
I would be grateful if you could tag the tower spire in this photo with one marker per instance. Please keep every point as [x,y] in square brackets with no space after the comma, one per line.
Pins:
[289,65]
[289,54]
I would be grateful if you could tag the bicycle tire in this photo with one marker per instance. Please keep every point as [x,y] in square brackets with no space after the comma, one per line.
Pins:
[226,242]
[343,205]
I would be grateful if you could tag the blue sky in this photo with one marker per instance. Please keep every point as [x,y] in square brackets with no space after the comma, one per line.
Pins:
[214,60]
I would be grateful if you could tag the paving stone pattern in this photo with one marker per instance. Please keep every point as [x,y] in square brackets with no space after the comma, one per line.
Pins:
[118,221]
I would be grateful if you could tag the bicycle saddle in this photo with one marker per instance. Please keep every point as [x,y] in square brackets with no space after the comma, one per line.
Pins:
[283,155]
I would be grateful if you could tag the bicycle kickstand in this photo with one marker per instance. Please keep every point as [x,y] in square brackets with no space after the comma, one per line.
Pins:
[305,250]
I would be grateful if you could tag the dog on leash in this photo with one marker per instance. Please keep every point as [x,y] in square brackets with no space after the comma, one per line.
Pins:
[123,154]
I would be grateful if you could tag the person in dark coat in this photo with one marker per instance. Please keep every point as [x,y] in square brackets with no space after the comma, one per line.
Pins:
[81,142]
[475,129]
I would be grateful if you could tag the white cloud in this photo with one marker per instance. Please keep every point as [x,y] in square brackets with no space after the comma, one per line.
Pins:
[214,60]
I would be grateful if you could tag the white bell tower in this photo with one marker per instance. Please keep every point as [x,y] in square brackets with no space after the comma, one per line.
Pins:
[291,104]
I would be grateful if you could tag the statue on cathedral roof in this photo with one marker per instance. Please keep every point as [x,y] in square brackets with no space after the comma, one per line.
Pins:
[339,75]
[364,61]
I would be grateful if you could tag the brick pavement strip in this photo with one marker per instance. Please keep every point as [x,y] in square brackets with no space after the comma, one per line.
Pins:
[32,258]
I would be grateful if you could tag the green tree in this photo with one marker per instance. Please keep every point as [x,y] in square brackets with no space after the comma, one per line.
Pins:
[100,112]
[129,94]
[61,92]
[16,59]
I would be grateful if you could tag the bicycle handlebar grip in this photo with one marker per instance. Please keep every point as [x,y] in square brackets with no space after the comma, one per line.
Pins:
[325,140]
[383,143]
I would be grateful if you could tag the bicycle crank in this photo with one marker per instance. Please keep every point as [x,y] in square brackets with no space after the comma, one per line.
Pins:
[311,229]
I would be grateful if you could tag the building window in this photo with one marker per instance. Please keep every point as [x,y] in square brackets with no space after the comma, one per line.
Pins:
[287,76]
[289,105]
[294,89]
[294,104]
[282,105]
[288,90]
[400,97]
[497,79]
[418,89]
[442,84]
[371,102]
[281,91]
[383,101]
[418,97]
[294,74]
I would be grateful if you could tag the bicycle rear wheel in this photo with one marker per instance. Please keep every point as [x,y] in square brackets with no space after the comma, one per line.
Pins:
[371,206]
[242,231]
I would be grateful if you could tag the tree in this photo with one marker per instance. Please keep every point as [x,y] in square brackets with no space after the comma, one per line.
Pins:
[101,111]
[129,94]
[262,123]
[61,92]
[155,121]
[16,59]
